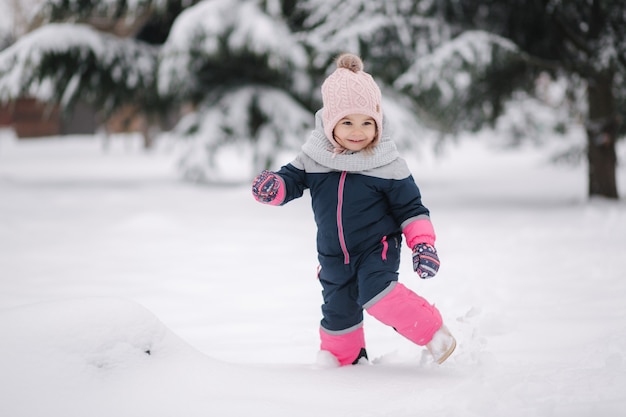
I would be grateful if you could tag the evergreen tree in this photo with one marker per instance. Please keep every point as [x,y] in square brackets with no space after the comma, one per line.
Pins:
[121,17]
[61,63]
[461,61]
[453,81]
[579,40]
[250,70]
[244,71]
[89,51]
[389,36]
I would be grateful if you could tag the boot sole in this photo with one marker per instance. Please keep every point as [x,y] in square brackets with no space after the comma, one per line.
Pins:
[448,353]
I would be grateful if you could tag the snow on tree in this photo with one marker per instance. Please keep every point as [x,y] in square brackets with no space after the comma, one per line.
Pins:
[583,41]
[462,61]
[389,36]
[450,80]
[245,73]
[64,62]
[249,71]
[268,115]
[91,50]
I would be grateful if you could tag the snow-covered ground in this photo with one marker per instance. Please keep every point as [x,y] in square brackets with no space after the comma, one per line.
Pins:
[126,292]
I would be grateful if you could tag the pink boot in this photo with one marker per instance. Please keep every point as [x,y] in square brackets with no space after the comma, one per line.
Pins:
[411,315]
[348,346]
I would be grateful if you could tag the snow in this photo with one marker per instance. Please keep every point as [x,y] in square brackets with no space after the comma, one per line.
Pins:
[201,32]
[225,126]
[127,292]
[452,58]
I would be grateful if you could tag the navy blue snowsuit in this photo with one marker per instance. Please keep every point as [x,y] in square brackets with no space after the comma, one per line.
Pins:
[360,216]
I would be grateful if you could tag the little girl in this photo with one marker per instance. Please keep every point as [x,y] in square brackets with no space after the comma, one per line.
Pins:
[364,198]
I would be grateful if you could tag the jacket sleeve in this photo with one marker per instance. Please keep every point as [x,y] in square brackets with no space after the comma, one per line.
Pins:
[294,181]
[406,205]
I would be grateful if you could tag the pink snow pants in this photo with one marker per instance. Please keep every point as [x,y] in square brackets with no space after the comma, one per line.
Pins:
[396,306]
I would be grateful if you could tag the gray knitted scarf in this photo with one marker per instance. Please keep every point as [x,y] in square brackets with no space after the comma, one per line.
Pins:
[321,150]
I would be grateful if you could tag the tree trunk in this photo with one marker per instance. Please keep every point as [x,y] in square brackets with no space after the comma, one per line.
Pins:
[601,135]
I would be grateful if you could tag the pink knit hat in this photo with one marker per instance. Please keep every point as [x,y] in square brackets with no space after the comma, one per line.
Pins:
[350,90]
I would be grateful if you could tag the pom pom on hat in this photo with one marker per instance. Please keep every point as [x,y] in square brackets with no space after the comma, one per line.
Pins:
[350,61]
[350,90]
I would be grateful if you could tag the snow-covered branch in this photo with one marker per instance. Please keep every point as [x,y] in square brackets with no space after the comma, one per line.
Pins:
[59,62]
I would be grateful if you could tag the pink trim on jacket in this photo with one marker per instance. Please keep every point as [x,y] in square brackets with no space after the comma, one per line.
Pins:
[385,247]
[419,231]
[342,237]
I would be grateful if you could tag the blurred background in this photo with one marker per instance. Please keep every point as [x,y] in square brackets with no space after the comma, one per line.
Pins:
[130,131]
[224,77]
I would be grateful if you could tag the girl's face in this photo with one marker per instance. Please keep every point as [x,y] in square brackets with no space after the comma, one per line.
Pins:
[355,131]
